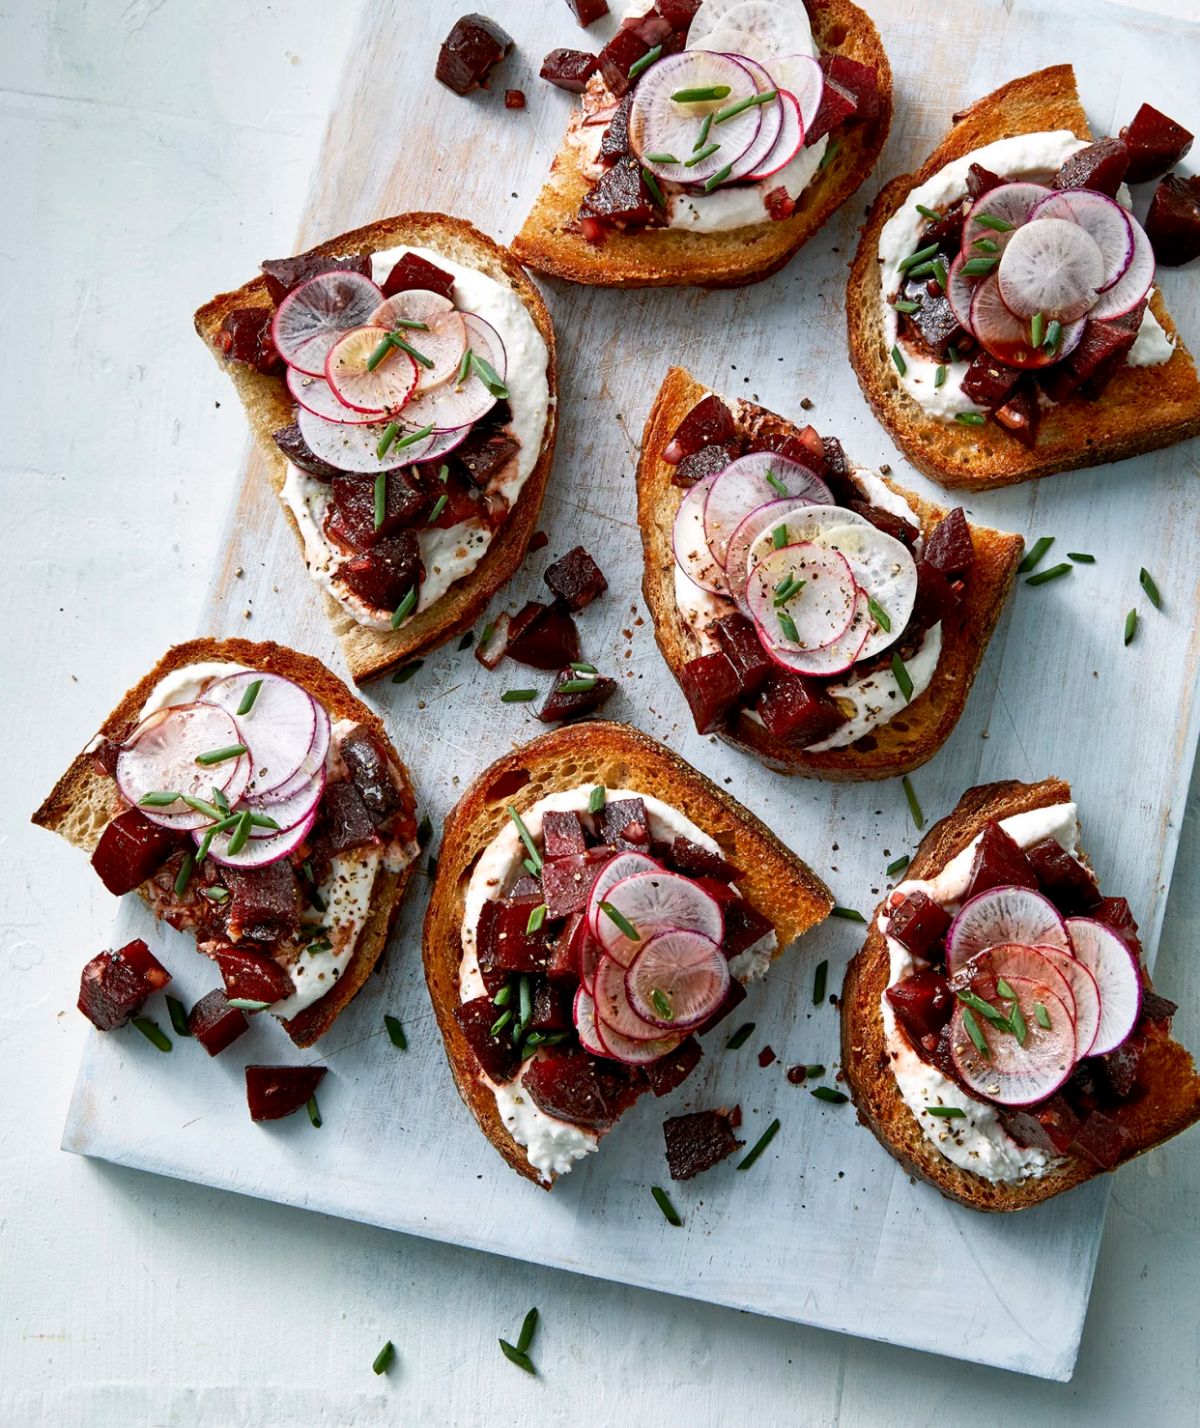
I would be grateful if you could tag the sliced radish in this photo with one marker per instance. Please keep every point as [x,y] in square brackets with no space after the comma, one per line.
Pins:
[442,443]
[692,554]
[377,391]
[768,130]
[1085,996]
[1012,1074]
[746,484]
[279,727]
[356,448]
[1035,964]
[1101,217]
[883,569]
[761,29]
[649,902]
[623,866]
[1051,266]
[833,658]
[788,142]
[1118,980]
[443,344]
[613,1007]
[961,292]
[259,852]
[713,12]
[660,127]
[313,316]
[634,1053]
[677,980]
[1003,915]
[314,760]
[288,809]
[160,757]
[457,404]
[315,394]
[415,305]
[818,612]
[583,1013]
[801,522]
[1010,204]
[1009,338]
[801,76]
[1133,285]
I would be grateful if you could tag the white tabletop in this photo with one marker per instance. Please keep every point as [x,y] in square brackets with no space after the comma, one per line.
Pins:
[150,151]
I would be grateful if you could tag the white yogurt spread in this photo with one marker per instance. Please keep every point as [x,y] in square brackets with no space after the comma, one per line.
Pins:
[1023,156]
[452,554]
[977,1141]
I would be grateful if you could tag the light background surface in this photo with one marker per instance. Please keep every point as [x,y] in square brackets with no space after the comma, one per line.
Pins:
[154,151]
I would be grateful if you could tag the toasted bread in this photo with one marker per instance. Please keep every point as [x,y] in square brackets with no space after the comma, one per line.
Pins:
[371,653]
[1172,1099]
[773,880]
[83,800]
[915,734]
[1141,409]
[550,241]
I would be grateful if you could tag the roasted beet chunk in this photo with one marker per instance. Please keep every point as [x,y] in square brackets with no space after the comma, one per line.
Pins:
[1155,144]
[345,818]
[276,1091]
[672,1070]
[252,976]
[838,106]
[284,274]
[1101,166]
[998,861]
[562,835]
[470,52]
[383,576]
[566,882]
[981,180]
[1050,1127]
[245,336]
[744,926]
[1156,1008]
[1115,914]
[949,547]
[406,504]
[797,710]
[989,382]
[620,197]
[576,580]
[836,472]
[514,99]
[542,637]
[1102,350]
[697,1142]
[923,1003]
[370,772]
[709,423]
[503,942]
[1122,1068]
[413,271]
[496,1054]
[214,1023]
[1173,222]
[886,521]
[587,12]
[623,824]
[115,985]
[705,462]
[570,69]
[696,862]
[918,924]
[618,56]
[263,902]
[861,80]
[575,695]
[1101,1139]
[130,850]
[576,1087]
[1021,413]
[615,143]
[936,598]
[1064,879]
[711,688]
[744,650]
[933,321]
[678,13]
[551,1009]
[293,445]
[487,452]
[566,956]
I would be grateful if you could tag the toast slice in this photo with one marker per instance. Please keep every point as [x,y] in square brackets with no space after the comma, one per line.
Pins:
[1172,1087]
[84,799]
[773,880]
[550,240]
[1141,409]
[894,748]
[371,653]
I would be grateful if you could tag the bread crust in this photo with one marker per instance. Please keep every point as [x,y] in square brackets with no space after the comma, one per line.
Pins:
[921,728]
[1172,1101]
[82,801]
[372,653]
[775,881]
[1142,409]
[550,241]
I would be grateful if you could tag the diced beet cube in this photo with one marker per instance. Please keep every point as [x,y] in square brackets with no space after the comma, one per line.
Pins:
[947,229]
[406,504]
[836,473]
[1173,222]
[797,710]
[711,688]
[497,1056]
[542,637]
[936,598]
[860,80]
[696,862]
[284,274]
[293,445]
[413,271]
[1021,413]
[709,423]
[744,650]
[469,53]
[503,943]
[950,548]
[114,986]
[562,835]
[615,143]
[623,824]
[486,454]
[214,1023]
[1101,166]
[1155,143]
[935,320]
[918,924]
[550,1010]
[1122,1068]
[619,197]
[368,766]
[1101,1139]
[998,862]
[1050,1127]
[566,882]
[1157,1009]
[744,926]
[578,1088]
[922,1002]
[1064,879]
[570,69]
[838,106]
[697,1142]
[525,886]
[587,12]
[734,997]
[252,976]
[1115,914]
[981,180]
[672,1070]
[263,902]
[576,579]
[906,532]
[345,819]
[276,1091]
[989,382]
[780,204]
[1102,350]
[383,576]
[618,56]
[245,336]
[514,99]
[679,14]
[567,955]
[722,893]
[130,850]
[706,462]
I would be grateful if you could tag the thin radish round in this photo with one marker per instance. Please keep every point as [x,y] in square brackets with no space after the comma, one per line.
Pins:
[1003,915]
[768,130]
[1053,267]
[1085,995]
[356,448]
[692,554]
[746,484]
[833,658]
[634,1053]
[613,1007]
[648,902]
[1012,1074]
[961,292]
[314,761]
[677,979]
[802,597]
[278,728]
[287,809]
[1118,980]
[801,76]
[315,395]
[442,443]
[313,316]
[884,570]
[378,390]
[801,522]
[788,142]
[1133,284]
[996,216]
[713,12]
[443,343]
[583,1014]
[662,129]
[258,852]
[415,305]
[160,757]
[761,29]
[623,866]
[1101,217]
[457,404]
[1008,338]
[1035,964]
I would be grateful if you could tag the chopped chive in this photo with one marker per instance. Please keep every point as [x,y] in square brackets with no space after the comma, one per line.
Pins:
[788,626]
[1042,1015]
[537,915]
[178,1016]
[201,807]
[597,798]
[922,270]
[248,1003]
[989,245]
[985,1010]
[656,192]
[879,615]
[1037,328]
[976,1035]
[700,155]
[645,62]
[411,323]
[249,697]
[661,159]
[920,256]
[902,677]
[939,272]
[705,126]
[467,641]
[850,914]
[1053,333]
[898,359]
[947,1113]
[662,1003]
[405,608]
[240,835]
[616,916]
[997,225]
[1131,621]
[700,96]
[411,350]
[899,865]
[914,806]
[385,1358]
[1035,553]
[414,436]
[221,801]
[524,1000]
[464,368]
[827,1093]
[379,353]
[161,799]
[186,868]
[812,1072]
[1016,1020]
[718,178]
[742,105]
[740,1036]
[443,473]
[928,212]
[439,506]
[531,867]
[385,441]
[1052,573]
[526,837]
[952,352]
[518,696]
[970,418]
[153,1033]
[528,1326]
[978,267]
[402,676]
[503,996]
[581,666]
[395,1032]
[831,151]
[500,1023]
[779,537]
[820,978]
[1005,989]
[904,305]
[663,1201]
[510,1351]
[577,686]
[488,631]
[314,1112]
[939,377]
[1081,557]
[221,756]
[1148,585]
[380,498]
[759,1146]
[488,375]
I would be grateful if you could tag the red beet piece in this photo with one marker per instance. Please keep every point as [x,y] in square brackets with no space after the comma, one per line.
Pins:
[263,902]
[918,924]
[936,598]
[276,1091]
[345,819]
[569,950]
[1156,1008]
[779,204]
[1021,413]
[504,946]
[709,423]
[618,56]
[947,229]
[413,271]
[368,765]
[542,637]
[734,997]
[283,274]
[615,143]
[562,835]
[1102,350]
[1101,166]
[620,198]
[706,462]
[744,926]
[838,106]
[514,99]
[861,81]
[1115,914]
[551,1009]
[697,1142]
[989,382]
[923,1004]
[797,710]
[886,521]
[723,893]
[1173,222]
[383,576]
[293,445]
[570,70]
[114,986]
[252,976]
[1050,1127]
[744,650]
[1122,1068]
[998,862]
[981,180]
[130,850]
[405,504]
[245,336]
[623,824]
[576,580]
[587,12]
[767,1056]
[711,688]
[672,1070]
[696,862]
[949,547]
[566,882]
[562,703]
[214,1023]
[679,14]
[1101,1139]
[1155,143]
[486,453]
[934,320]
[578,1088]
[470,52]
[496,1055]
[836,473]
[1064,879]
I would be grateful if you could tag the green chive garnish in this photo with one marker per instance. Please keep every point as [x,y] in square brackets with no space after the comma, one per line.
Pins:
[402,676]
[759,1146]
[201,807]
[414,436]
[596,801]
[186,868]
[582,667]
[663,1201]
[662,1003]
[970,418]
[947,1113]
[939,272]
[385,1358]
[249,697]
[1036,551]
[718,178]
[1051,574]
[411,350]
[914,807]
[178,1016]
[379,354]
[997,225]
[488,375]
[902,677]
[656,193]
[617,917]
[850,914]
[829,155]
[463,368]
[1037,329]
[314,1112]
[879,615]
[510,1351]
[240,835]
[411,323]
[922,270]
[898,359]
[220,756]
[931,213]
[439,506]
[385,441]
[576,686]
[500,1023]
[537,915]
[518,696]
[827,1093]
[705,126]
[952,352]
[222,802]
[530,846]
[1042,1015]
[899,865]
[976,1034]
[779,537]
[1148,585]
[160,799]
[661,159]
[395,1032]
[920,256]
[989,245]
[644,63]
[820,977]
[812,1072]
[1016,1020]
[788,626]
[1081,557]
[153,1033]
[503,996]
[528,1326]
[939,377]
[248,1003]
[701,96]
[1053,333]
[700,155]
[743,104]
[978,267]
[740,1036]
[904,305]
[1130,626]
[405,608]
[380,498]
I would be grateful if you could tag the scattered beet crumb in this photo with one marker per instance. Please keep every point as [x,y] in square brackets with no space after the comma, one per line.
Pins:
[735,1117]
[698,1141]
[885,470]
[797,1074]
[514,99]
[766,1056]
[539,539]
[806,404]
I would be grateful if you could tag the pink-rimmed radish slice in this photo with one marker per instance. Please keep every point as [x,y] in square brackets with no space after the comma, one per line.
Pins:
[583,1014]
[259,852]
[414,305]
[623,866]
[313,316]
[1133,284]
[314,760]
[278,728]
[1008,338]
[442,443]
[760,29]
[660,127]
[961,292]
[443,343]
[631,1052]
[613,1007]
[746,484]
[788,142]
[884,570]
[1012,1074]
[356,448]
[677,979]
[801,76]
[1003,915]
[768,130]
[1034,964]
[1010,204]
[1085,996]
[821,608]
[457,404]
[287,809]
[376,391]
[648,903]
[692,554]
[315,395]
[1118,980]
[1051,266]
[801,521]
[1102,218]
[713,12]
[830,659]
[160,757]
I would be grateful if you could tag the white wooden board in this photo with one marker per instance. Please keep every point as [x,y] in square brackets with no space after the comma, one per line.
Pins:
[825,1229]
